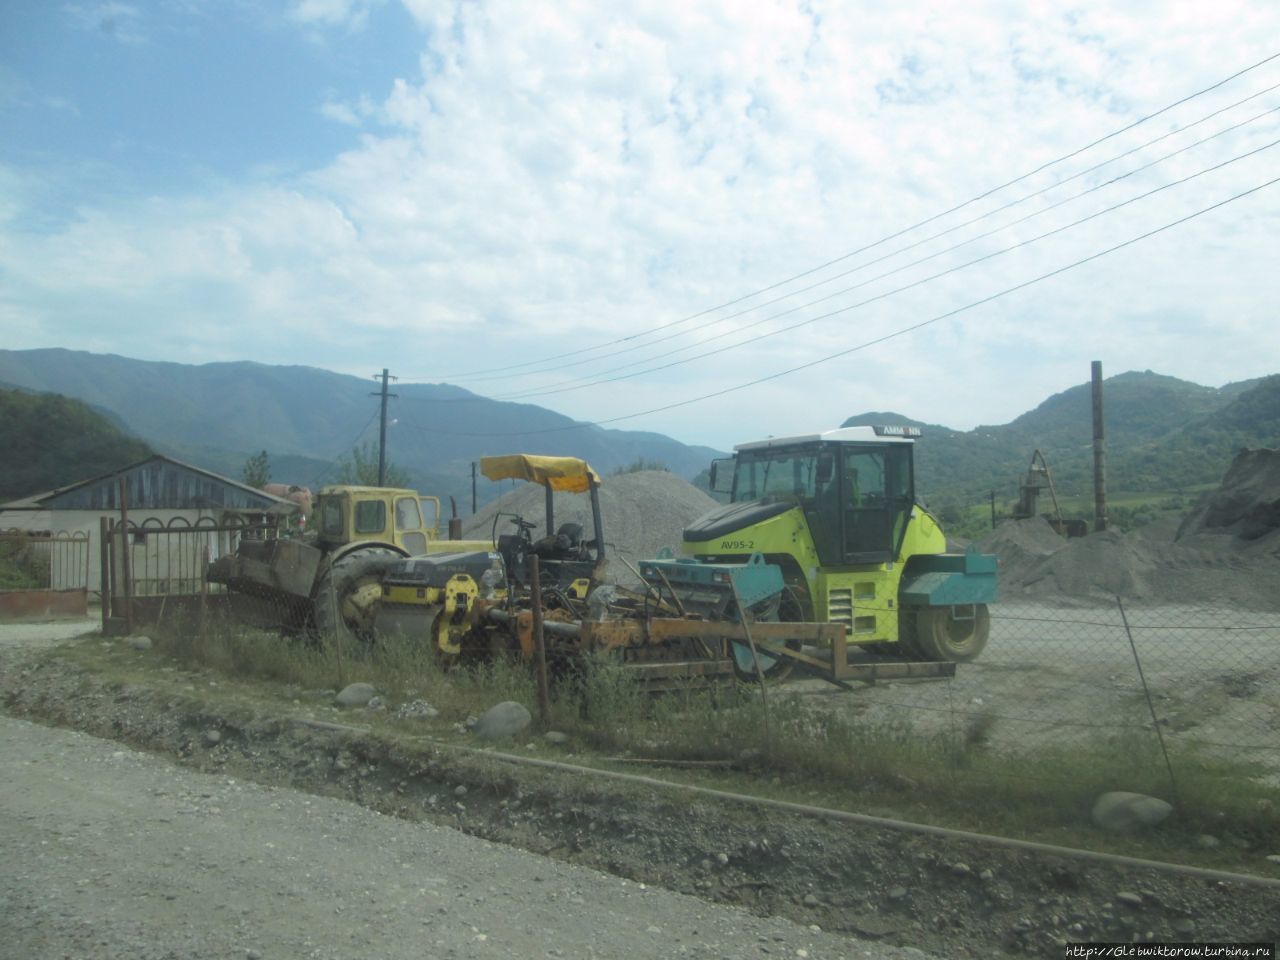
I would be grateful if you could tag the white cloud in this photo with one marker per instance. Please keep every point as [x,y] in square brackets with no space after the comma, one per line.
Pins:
[559,176]
[120,21]
[349,113]
[352,14]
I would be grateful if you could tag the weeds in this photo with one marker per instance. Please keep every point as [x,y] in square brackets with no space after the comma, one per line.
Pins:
[890,765]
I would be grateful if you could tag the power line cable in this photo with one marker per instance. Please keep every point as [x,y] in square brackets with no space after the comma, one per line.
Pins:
[591,380]
[583,425]
[911,246]
[356,439]
[889,293]
[893,236]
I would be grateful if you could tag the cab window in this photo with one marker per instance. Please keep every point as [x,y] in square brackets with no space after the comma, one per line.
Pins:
[330,510]
[371,516]
[430,512]
[875,502]
[407,516]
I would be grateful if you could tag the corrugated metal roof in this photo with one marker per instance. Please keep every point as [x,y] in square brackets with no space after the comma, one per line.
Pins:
[157,483]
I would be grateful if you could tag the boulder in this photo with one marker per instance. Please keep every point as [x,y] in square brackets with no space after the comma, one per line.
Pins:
[355,695]
[1120,811]
[502,720]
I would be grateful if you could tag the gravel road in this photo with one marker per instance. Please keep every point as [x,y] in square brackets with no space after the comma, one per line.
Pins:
[115,853]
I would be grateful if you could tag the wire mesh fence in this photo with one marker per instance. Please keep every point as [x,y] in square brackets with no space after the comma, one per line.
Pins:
[1171,686]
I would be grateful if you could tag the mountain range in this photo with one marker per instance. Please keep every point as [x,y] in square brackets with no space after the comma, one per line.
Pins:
[216,415]
[1163,434]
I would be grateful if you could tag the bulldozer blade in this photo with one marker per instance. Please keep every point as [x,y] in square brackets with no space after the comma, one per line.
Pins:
[411,621]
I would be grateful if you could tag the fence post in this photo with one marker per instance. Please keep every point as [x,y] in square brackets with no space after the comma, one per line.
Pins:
[125,572]
[755,658]
[1151,707]
[204,601]
[104,571]
[539,639]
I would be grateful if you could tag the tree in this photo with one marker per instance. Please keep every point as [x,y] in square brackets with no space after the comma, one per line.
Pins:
[257,470]
[361,469]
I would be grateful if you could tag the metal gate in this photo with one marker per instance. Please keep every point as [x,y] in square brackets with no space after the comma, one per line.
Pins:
[154,567]
[43,574]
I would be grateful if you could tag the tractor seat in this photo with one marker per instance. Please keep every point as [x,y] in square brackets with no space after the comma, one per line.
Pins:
[566,543]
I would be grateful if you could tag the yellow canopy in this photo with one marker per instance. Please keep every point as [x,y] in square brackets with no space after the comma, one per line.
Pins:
[559,473]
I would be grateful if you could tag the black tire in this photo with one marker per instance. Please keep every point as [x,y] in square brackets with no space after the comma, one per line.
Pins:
[346,583]
[942,637]
[908,646]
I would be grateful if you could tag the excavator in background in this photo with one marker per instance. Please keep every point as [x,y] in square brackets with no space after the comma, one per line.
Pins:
[1038,479]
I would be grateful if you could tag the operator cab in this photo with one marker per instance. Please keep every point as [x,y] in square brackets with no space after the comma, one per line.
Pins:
[855,486]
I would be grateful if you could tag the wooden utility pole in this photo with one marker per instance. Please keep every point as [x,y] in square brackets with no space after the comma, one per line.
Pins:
[382,426]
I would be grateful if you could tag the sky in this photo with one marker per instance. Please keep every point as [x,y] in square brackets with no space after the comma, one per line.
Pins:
[714,220]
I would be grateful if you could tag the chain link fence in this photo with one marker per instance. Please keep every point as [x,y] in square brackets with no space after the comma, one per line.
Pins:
[1165,686]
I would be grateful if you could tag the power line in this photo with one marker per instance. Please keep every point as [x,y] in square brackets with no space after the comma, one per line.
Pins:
[596,379]
[877,340]
[911,246]
[890,293]
[334,462]
[893,236]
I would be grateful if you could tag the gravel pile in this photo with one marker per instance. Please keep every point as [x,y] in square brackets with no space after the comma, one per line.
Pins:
[1246,505]
[1021,544]
[643,512]
[1226,552]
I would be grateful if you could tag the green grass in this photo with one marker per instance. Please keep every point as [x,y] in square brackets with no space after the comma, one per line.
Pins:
[731,738]
[1125,510]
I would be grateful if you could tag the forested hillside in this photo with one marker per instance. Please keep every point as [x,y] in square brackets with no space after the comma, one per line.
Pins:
[51,440]
[1162,435]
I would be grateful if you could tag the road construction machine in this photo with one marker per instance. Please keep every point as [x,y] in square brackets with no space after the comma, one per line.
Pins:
[330,581]
[821,550]
[836,515]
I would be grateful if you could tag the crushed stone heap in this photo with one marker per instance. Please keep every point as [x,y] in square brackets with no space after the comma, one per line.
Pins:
[1246,505]
[1225,553]
[643,512]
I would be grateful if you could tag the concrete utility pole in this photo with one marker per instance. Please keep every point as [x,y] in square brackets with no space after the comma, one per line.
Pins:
[1099,454]
[382,427]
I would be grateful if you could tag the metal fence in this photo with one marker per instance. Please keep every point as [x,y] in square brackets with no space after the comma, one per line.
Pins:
[1169,684]
[158,561]
[43,574]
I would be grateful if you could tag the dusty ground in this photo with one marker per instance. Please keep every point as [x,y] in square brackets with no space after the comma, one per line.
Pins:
[1055,673]
[949,898]
[114,853]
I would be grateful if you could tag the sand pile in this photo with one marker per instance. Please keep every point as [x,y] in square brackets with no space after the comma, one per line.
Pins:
[643,512]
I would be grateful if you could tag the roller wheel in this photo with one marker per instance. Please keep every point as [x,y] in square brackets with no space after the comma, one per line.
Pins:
[773,668]
[346,598]
[940,636]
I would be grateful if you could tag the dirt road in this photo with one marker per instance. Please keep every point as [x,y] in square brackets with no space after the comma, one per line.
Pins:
[112,853]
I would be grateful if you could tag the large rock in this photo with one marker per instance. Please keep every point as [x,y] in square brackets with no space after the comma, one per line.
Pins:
[1120,811]
[356,695]
[502,720]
